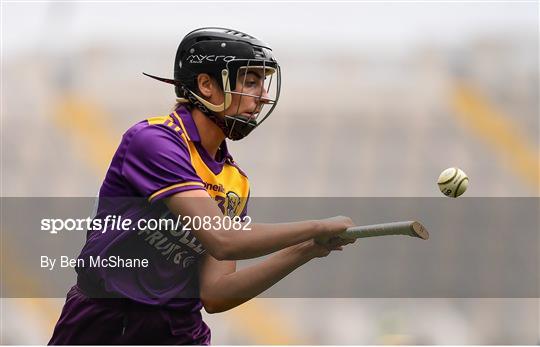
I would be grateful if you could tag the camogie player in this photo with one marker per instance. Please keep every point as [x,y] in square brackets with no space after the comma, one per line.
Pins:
[227,84]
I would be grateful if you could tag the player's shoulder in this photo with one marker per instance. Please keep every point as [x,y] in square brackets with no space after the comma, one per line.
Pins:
[155,129]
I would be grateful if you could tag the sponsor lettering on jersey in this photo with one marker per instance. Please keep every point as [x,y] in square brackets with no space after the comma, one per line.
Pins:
[214,187]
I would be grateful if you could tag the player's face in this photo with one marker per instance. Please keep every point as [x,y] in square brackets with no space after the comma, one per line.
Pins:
[249,95]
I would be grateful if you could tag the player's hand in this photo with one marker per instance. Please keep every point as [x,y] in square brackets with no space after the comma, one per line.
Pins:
[332,227]
[315,249]
[335,243]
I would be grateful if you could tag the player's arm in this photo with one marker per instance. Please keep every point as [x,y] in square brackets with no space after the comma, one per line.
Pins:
[223,288]
[262,239]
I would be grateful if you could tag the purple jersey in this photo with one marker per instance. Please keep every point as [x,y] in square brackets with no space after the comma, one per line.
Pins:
[87,321]
[157,158]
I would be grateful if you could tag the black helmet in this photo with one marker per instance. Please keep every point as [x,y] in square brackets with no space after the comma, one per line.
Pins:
[224,54]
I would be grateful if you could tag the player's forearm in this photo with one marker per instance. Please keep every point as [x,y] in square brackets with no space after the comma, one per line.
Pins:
[263,239]
[236,288]
[230,244]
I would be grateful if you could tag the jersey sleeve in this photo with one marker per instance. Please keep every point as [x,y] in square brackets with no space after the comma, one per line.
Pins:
[157,164]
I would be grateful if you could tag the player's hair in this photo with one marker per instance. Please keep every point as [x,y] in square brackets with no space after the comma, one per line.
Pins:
[185,103]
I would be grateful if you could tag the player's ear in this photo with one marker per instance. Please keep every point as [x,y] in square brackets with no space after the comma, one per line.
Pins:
[205,84]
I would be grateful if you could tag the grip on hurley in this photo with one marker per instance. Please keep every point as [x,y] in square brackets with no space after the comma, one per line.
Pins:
[409,228]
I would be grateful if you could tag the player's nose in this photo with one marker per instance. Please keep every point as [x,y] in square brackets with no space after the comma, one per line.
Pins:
[264,98]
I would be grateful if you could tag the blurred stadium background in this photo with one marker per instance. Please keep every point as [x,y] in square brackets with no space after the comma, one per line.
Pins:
[377,99]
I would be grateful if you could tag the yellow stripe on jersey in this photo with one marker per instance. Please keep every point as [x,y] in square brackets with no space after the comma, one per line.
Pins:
[168,121]
[158,120]
[166,189]
[181,124]
[183,136]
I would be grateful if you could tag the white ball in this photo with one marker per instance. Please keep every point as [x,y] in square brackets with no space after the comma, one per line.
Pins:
[453,182]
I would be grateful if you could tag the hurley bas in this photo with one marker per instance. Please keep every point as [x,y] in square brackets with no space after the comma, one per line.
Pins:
[112,261]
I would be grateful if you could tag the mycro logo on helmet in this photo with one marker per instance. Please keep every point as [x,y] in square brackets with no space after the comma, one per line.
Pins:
[199,58]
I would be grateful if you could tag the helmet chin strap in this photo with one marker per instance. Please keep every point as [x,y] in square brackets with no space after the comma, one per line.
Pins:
[226,91]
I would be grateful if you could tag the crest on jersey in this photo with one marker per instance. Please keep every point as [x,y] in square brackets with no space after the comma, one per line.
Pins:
[233,204]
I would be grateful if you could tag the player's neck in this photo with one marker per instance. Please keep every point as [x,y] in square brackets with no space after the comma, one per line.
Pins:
[211,135]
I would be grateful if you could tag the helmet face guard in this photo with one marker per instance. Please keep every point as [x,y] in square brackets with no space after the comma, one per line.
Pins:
[229,57]
[238,124]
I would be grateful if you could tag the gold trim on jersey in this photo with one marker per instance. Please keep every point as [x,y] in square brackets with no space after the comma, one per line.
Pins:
[168,121]
[166,189]
[159,120]
[182,125]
